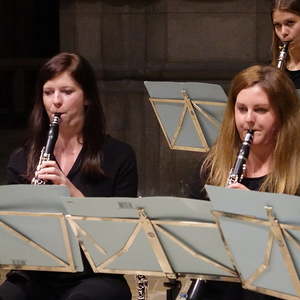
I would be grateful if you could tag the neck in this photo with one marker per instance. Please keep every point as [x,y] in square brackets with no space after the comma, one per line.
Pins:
[293,63]
[260,160]
[68,141]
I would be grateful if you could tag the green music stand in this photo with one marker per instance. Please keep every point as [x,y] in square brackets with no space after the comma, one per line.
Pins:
[262,233]
[33,231]
[167,237]
[189,113]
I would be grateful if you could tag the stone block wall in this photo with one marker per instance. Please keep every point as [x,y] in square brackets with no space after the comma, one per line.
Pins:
[168,39]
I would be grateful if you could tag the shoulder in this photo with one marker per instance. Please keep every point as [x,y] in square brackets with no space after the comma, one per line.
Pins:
[119,164]
[18,157]
[120,167]
[16,167]
[117,154]
[295,77]
[113,147]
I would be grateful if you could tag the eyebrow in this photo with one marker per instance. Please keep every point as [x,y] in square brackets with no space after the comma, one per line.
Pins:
[262,104]
[255,105]
[283,20]
[61,87]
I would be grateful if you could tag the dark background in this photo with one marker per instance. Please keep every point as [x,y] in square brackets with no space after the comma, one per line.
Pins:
[29,33]
[127,42]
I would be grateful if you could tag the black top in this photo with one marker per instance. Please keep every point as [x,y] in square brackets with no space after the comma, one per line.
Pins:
[295,76]
[197,190]
[119,180]
[118,165]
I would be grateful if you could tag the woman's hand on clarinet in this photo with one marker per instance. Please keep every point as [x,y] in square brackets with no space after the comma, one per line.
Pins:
[237,186]
[50,171]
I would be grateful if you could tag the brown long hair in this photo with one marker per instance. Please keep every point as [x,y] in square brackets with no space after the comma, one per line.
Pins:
[285,174]
[93,132]
[292,6]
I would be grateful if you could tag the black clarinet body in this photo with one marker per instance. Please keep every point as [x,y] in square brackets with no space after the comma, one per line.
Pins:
[237,172]
[52,134]
[48,149]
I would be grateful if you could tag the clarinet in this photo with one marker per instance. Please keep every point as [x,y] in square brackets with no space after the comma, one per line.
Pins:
[237,172]
[47,150]
[282,55]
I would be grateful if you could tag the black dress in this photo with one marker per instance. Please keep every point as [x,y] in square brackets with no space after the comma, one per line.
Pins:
[295,76]
[119,180]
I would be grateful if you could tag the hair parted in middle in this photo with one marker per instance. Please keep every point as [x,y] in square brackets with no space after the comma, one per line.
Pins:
[93,131]
[285,174]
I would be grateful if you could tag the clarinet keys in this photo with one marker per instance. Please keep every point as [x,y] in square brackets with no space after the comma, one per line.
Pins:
[282,55]
[237,172]
[48,149]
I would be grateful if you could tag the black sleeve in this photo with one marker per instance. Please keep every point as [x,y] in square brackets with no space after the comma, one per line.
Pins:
[120,169]
[126,180]
[16,168]
[198,181]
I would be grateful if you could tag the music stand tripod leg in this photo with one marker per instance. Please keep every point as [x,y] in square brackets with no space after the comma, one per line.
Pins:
[173,287]
[196,289]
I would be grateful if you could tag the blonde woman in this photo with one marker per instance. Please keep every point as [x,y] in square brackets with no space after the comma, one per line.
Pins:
[264,99]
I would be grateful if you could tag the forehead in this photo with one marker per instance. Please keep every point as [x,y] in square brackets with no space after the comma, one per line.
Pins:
[63,79]
[281,15]
[253,95]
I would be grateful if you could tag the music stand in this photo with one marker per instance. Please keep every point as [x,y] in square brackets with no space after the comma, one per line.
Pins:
[189,113]
[262,234]
[158,236]
[34,230]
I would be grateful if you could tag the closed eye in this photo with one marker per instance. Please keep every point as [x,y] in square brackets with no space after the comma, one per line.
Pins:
[68,91]
[242,109]
[290,23]
[48,92]
[261,110]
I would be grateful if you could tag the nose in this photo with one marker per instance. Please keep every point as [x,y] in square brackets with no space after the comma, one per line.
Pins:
[284,31]
[57,99]
[250,118]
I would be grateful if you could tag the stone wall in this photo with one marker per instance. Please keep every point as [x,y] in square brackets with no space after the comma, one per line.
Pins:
[167,39]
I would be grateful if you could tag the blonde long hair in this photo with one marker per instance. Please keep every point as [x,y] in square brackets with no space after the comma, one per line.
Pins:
[285,174]
[292,6]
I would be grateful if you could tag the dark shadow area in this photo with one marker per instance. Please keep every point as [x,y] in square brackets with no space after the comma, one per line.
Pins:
[131,3]
[30,35]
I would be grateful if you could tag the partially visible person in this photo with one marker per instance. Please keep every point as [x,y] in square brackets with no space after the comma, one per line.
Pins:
[86,160]
[286,28]
[264,99]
